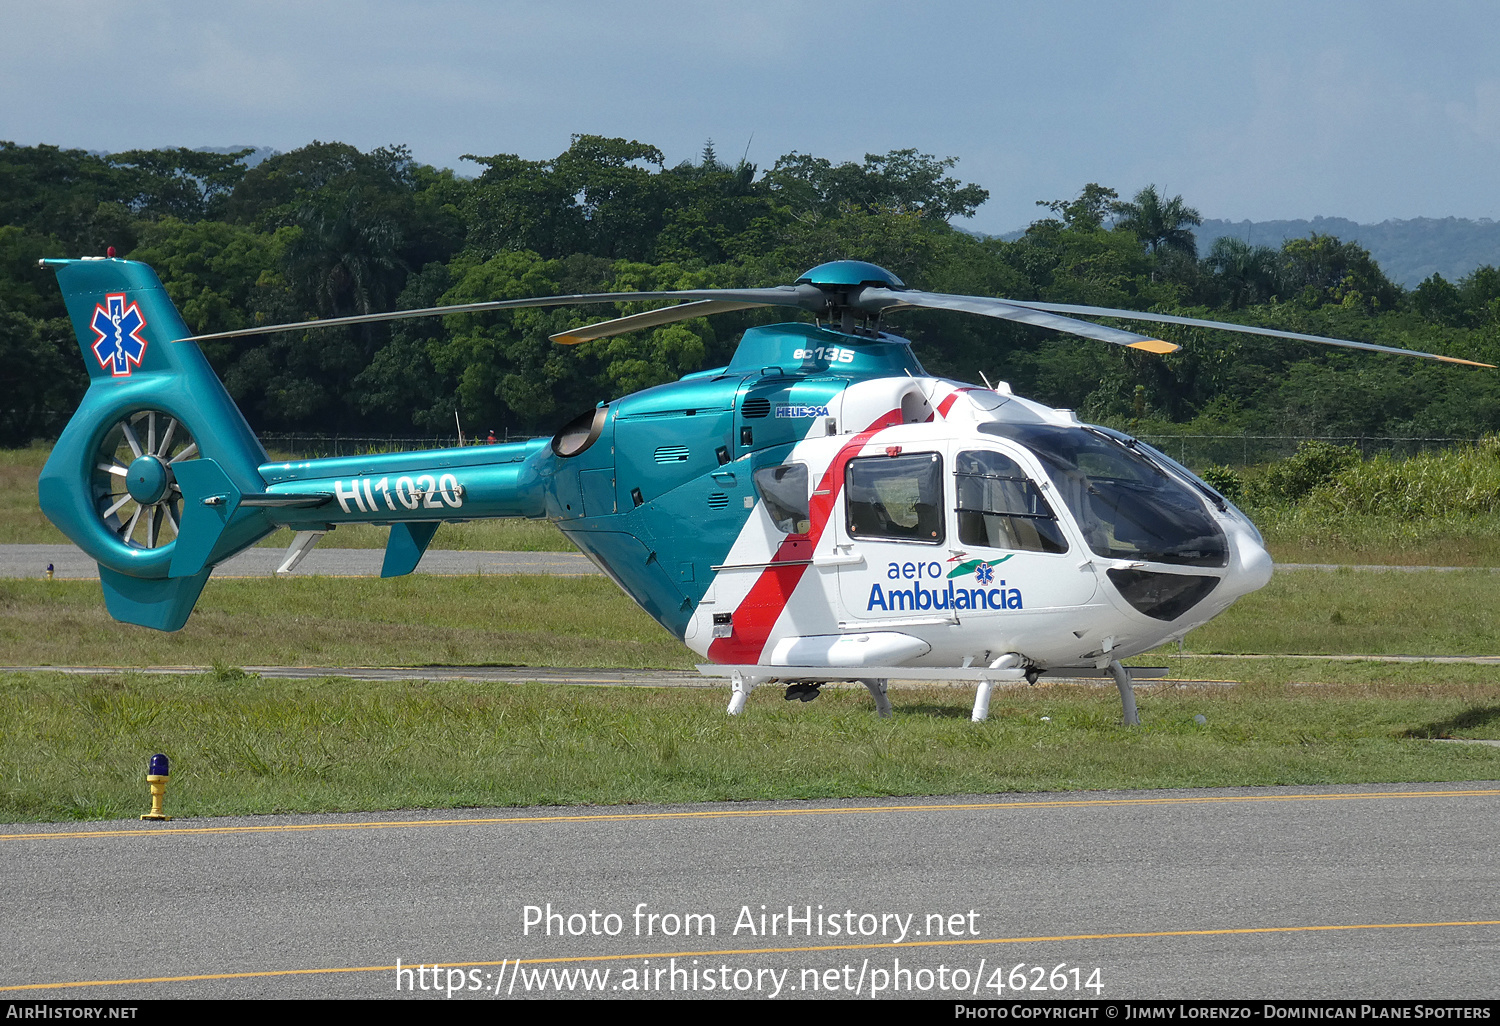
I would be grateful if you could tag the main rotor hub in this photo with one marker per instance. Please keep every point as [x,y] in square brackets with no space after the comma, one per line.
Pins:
[148,479]
[844,274]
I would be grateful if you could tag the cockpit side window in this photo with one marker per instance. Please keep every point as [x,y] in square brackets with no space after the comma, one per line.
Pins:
[783,489]
[1125,505]
[1000,507]
[896,497]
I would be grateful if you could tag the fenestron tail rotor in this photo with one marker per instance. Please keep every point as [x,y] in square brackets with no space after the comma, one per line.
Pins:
[135,488]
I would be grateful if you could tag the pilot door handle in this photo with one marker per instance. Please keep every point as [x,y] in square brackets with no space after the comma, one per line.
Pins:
[839,559]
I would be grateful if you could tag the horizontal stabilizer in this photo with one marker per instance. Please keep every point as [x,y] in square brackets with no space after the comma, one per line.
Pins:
[286,500]
[404,549]
[162,605]
[209,500]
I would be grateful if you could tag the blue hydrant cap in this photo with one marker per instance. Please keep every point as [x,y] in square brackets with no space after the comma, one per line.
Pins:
[158,766]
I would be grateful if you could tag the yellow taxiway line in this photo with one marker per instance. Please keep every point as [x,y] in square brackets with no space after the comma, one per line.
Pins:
[747,813]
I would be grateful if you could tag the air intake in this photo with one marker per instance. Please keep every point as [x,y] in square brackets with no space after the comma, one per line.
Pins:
[672,454]
[756,408]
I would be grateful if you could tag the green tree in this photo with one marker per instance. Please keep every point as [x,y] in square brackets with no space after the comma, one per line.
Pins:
[1479,291]
[1088,211]
[182,183]
[345,259]
[901,182]
[1159,224]
[1438,301]
[36,404]
[220,275]
[1321,270]
[1246,274]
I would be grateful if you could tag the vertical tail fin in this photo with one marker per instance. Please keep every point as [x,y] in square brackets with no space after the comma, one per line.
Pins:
[153,403]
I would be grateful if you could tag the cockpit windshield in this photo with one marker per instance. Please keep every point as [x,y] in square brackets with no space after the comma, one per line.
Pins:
[1127,505]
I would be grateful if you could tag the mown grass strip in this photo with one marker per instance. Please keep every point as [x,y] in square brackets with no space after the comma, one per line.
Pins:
[1351,612]
[410,621]
[544,621]
[77,747]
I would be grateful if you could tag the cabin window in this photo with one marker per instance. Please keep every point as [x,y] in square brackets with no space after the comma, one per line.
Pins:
[999,506]
[1126,504]
[783,489]
[896,497]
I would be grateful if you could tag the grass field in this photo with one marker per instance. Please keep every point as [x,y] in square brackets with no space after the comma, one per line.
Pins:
[549,621]
[1382,540]
[332,621]
[21,519]
[1292,538]
[77,748]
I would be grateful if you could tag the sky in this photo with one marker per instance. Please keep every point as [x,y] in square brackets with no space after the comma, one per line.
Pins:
[1367,110]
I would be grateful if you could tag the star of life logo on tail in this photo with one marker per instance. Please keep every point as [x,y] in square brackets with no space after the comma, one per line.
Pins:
[119,346]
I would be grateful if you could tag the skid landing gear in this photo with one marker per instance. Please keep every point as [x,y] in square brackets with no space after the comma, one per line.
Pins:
[1010,668]
[741,685]
[1127,693]
[877,687]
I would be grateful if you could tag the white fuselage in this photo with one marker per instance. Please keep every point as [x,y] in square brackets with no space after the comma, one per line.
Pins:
[890,569]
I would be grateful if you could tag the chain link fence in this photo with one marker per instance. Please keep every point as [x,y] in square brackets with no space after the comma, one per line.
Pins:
[1199,451]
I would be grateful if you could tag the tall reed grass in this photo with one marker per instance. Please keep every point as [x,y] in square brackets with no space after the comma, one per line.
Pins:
[1460,482]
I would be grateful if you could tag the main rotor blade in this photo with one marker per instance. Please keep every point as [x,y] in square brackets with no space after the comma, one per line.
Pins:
[803,297]
[649,319]
[1194,322]
[882,300]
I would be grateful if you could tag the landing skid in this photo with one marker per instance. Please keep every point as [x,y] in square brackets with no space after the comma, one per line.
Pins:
[745,678]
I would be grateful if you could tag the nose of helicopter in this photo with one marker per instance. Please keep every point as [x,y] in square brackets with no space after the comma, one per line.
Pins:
[1249,562]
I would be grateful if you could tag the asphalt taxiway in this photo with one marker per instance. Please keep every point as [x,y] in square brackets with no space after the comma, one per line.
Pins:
[1389,891]
[70,563]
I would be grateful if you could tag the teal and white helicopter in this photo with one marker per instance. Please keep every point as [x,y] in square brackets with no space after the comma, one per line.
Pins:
[819,509]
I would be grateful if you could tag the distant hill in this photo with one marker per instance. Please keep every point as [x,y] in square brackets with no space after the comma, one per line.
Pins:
[1408,251]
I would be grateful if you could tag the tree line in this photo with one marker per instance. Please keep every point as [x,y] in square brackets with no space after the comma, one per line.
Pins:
[328,230]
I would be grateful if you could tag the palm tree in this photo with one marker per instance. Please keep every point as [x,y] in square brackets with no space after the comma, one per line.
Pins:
[346,259]
[1247,272]
[1159,224]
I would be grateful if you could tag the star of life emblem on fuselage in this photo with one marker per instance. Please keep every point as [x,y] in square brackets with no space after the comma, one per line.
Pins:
[120,345]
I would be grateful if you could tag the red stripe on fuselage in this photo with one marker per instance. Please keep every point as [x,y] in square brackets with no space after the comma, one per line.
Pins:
[949,400]
[758,612]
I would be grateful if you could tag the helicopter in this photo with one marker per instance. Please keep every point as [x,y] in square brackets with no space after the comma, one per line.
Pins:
[819,509]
